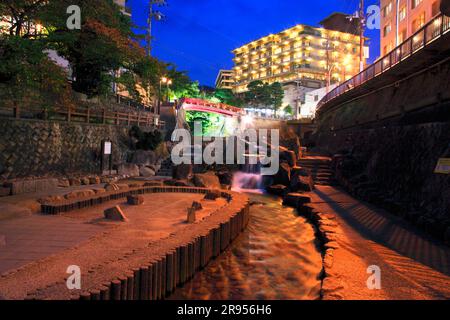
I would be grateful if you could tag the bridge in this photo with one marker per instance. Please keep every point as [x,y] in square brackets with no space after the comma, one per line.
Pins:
[193,104]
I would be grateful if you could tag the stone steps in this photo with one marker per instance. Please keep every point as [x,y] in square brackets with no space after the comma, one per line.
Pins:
[320,170]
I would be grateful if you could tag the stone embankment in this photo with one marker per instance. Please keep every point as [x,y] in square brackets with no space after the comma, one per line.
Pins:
[327,227]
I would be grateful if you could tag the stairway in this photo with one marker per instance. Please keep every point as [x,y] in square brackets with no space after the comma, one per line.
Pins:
[166,168]
[320,169]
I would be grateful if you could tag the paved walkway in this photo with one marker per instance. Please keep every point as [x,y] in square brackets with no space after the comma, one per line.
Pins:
[27,239]
[413,266]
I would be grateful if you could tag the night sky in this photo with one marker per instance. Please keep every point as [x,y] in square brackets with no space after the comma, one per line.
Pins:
[199,35]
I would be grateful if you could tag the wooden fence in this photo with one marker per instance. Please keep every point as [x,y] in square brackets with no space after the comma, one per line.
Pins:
[84,114]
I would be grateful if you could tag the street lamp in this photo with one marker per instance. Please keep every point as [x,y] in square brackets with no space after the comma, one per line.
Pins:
[168,82]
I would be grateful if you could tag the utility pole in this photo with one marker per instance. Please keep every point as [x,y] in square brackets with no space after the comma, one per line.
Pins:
[153,14]
[362,28]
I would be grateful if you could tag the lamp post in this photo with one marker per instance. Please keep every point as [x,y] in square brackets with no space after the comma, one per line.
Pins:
[168,82]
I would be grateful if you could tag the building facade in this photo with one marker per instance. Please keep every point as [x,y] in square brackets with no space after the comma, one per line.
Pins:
[308,107]
[302,53]
[225,79]
[400,19]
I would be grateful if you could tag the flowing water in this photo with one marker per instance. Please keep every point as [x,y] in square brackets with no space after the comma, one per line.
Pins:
[275,258]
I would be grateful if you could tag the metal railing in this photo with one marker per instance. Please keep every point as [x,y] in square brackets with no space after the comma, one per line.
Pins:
[427,34]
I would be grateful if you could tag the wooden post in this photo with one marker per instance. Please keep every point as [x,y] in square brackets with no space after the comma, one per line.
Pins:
[129,118]
[68,114]
[16,112]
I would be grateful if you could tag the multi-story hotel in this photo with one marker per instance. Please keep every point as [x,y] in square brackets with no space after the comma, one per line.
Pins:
[302,53]
[400,19]
[225,79]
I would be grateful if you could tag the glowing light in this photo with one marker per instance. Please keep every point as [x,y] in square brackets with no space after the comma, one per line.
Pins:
[247,120]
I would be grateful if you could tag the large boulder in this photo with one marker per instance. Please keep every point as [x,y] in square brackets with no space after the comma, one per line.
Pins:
[284,175]
[225,177]
[182,171]
[128,169]
[142,157]
[278,190]
[207,180]
[292,143]
[288,156]
[146,171]
[301,180]
[295,200]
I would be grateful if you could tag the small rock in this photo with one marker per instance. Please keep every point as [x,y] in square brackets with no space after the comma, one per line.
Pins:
[123,186]
[197,206]
[146,172]
[99,190]
[115,214]
[79,194]
[134,185]
[94,180]
[191,215]
[153,184]
[135,200]
[63,183]
[212,195]
[111,187]
[75,182]
[50,199]
[85,181]
[207,180]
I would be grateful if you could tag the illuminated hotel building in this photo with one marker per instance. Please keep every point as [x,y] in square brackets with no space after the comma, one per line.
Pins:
[225,79]
[400,19]
[300,54]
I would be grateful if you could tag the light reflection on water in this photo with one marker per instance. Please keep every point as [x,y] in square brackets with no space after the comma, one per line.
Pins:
[275,258]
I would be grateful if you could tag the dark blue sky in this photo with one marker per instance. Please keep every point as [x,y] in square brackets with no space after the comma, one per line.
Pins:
[199,35]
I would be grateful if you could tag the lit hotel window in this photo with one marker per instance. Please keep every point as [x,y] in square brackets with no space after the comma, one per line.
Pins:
[402,13]
[415,3]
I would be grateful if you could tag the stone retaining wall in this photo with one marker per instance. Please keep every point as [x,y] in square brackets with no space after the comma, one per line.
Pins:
[393,168]
[41,148]
[153,272]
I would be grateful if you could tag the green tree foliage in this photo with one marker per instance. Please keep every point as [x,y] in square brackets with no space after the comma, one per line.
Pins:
[289,110]
[228,97]
[263,95]
[104,44]
[146,140]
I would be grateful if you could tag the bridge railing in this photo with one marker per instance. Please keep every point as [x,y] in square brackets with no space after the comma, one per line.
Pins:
[427,34]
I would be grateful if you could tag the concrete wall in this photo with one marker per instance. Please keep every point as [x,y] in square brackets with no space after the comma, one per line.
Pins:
[35,148]
[424,97]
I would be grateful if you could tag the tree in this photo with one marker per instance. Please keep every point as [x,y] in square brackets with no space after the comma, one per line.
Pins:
[289,110]
[261,95]
[228,97]
[276,94]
